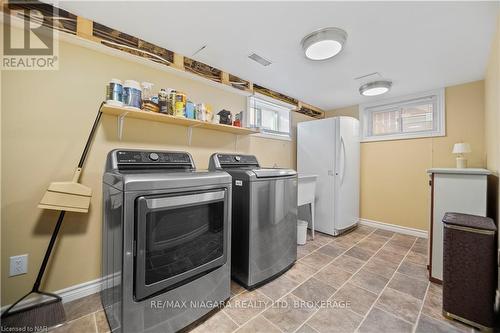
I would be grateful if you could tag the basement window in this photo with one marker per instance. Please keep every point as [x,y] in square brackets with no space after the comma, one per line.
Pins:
[416,116]
[270,116]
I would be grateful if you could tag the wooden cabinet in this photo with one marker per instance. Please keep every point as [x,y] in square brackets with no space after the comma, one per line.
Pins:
[453,190]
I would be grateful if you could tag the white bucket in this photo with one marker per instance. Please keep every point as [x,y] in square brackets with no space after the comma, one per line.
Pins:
[301,232]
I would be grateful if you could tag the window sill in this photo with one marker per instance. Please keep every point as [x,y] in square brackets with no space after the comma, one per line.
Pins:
[273,137]
[403,136]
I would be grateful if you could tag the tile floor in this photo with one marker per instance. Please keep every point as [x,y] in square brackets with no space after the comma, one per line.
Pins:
[369,280]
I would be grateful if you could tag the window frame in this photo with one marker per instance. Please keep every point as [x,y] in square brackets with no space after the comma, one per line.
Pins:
[366,111]
[269,133]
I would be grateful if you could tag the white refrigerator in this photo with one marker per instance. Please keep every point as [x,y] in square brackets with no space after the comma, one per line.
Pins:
[329,148]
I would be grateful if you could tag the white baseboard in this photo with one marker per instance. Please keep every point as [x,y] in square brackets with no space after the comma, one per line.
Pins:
[394,228]
[67,294]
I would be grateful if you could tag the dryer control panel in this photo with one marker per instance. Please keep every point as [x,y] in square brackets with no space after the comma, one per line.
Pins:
[134,159]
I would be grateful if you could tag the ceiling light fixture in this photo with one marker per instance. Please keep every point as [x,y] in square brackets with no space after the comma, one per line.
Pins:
[324,44]
[375,88]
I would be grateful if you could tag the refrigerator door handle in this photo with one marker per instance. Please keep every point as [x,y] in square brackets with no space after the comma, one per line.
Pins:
[342,147]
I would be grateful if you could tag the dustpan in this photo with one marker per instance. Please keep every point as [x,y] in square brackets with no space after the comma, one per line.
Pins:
[69,196]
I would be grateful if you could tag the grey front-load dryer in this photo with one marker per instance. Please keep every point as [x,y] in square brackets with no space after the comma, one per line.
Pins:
[166,240]
[264,218]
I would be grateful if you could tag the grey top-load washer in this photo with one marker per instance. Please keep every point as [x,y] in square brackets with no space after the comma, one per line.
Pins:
[264,218]
[166,240]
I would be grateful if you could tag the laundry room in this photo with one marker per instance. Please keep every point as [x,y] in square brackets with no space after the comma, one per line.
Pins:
[167,166]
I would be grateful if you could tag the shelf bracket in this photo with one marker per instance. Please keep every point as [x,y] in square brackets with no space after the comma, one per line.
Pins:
[121,119]
[190,133]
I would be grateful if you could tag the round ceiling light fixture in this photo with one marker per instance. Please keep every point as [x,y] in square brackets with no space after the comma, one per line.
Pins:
[375,88]
[324,44]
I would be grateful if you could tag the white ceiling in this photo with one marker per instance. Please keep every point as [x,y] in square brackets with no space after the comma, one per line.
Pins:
[418,45]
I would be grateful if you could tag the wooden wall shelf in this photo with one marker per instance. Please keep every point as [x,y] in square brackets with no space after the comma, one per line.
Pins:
[123,112]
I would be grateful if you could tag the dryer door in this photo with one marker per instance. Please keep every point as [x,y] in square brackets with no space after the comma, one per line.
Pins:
[178,238]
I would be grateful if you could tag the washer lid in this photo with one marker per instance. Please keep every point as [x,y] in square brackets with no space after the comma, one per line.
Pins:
[273,172]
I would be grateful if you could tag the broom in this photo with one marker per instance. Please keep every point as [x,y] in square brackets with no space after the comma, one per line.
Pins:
[65,197]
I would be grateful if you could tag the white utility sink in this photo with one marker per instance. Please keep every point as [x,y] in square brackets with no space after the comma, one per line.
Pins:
[307,194]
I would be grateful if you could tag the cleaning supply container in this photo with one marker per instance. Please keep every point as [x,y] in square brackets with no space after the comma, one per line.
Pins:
[132,94]
[301,232]
[180,104]
[114,92]
[190,110]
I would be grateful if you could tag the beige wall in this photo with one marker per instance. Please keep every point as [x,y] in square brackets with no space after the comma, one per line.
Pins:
[348,111]
[46,117]
[394,184]
[492,115]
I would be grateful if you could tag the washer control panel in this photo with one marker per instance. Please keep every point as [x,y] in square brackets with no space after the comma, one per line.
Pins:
[236,160]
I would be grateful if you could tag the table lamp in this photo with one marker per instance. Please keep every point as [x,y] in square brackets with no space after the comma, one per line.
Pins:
[460,149]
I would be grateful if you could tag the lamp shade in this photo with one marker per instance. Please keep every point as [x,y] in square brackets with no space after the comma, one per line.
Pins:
[461,148]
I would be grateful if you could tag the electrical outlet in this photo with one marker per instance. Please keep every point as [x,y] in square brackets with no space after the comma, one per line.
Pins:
[18,265]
